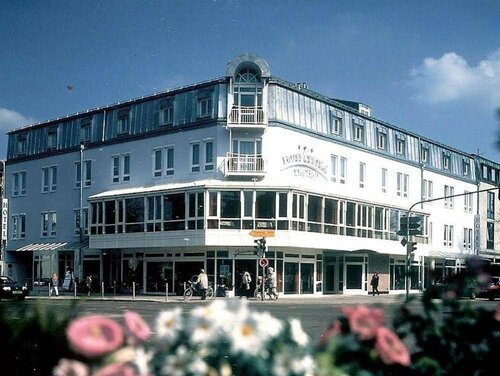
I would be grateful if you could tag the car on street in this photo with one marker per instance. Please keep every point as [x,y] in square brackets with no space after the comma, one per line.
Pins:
[491,290]
[464,288]
[9,289]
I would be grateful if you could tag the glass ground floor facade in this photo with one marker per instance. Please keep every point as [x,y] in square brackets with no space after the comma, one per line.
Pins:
[304,272]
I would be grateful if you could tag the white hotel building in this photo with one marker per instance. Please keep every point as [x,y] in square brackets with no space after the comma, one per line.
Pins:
[177,180]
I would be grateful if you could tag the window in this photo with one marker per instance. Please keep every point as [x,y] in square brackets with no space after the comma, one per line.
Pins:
[467,238]
[21,144]
[362,172]
[163,158]
[85,130]
[49,179]
[49,224]
[449,201]
[18,226]
[400,146]
[485,172]
[490,233]
[123,121]
[402,184]
[446,161]
[466,167]
[87,174]
[19,183]
[448,236]
[427,191]
[490,209]
[467,202]
[335,167]
[384,180]
[166,113]
[359,132]
[195,157]
[121,168]
[209,155]
[52,138]
[424,154]
[382,139]
[157,163]
[343,170]
[205,106]
[169,155]
[85,224]
[336,124]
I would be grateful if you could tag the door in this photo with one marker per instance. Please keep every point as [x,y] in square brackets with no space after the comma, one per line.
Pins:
[329,278]
[306,278]
[354,277]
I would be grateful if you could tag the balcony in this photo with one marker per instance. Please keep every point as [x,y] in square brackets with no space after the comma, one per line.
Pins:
[246,117]
[244,165]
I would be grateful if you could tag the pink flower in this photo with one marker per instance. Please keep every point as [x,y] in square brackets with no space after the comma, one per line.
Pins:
[67,367]
[390,348]
[364,321]
[334,329]
[116,369]
[94,335]
[137,326]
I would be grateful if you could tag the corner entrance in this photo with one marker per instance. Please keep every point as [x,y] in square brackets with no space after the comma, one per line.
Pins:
[240,266]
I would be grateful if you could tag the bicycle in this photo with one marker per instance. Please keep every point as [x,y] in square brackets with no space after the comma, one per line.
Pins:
[270,293]
[193,290]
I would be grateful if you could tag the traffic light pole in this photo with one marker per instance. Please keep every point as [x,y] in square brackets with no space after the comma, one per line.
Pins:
[408,252]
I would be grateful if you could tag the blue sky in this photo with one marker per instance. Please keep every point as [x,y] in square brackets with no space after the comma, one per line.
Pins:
[432,67]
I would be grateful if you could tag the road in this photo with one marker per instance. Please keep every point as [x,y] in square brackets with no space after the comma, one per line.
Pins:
[315,313]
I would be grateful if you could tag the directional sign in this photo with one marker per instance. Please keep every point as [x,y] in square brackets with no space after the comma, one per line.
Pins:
[262,233]
[263,262]
[411,225]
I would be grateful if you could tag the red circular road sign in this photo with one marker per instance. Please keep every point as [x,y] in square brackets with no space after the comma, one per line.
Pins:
[263,262]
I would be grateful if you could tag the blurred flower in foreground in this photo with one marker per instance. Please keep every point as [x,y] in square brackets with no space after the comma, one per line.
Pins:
[390,347]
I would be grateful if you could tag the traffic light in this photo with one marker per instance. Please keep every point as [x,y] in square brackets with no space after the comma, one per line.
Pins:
[411,247]
[410,225]
[260,247]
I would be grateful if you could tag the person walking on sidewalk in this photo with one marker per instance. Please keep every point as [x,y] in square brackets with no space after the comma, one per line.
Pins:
[203,284]
[55,285]
[88,284]
[374,284]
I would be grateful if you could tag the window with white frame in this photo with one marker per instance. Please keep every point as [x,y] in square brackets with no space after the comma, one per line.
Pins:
[169,161]
[195,157]
[446,161]
[384,180]
[427,189]
[157,162]
[209,155]
[466,167]
[382,139]
[205,107]
[343,170]
[52,138]
[449,201]
[49,224]
[400,146]
[167,113]
[448,236]
[87,174]
[467,202]
[402,184]
[163,161]
[85,130]
[424,154]
[19,183]
[468,238]
[120,165]
[335,167]
[123,121]
[49,179]
[85,224]
[362,174]
[359,132]
[154,213]
[22,144]
[18,226]
[490,205]
[490,235]
[336,124]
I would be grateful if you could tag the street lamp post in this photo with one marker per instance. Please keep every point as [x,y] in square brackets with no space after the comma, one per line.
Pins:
[81,227]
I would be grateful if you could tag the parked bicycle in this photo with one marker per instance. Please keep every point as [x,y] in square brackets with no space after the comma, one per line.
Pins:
[270,294]
[193,290]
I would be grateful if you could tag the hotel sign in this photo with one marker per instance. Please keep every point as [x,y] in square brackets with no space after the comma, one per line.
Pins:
[5,217]
[304,163]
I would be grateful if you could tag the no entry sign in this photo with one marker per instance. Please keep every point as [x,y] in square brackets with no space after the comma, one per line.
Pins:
[263,262]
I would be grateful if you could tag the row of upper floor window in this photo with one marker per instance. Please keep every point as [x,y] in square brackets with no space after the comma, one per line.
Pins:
[163,164]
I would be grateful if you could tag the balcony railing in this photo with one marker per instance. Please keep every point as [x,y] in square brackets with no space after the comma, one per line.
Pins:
[244,164]
[246,116]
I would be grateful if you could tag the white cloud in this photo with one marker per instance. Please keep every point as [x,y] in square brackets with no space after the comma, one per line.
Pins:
[451,78]
[10,120]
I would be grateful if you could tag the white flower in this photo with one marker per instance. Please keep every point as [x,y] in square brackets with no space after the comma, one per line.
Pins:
[142,359]
[174,363]
[303,366]
[198,367]
[267,326]
[169,324]
[244,337]
[298,335]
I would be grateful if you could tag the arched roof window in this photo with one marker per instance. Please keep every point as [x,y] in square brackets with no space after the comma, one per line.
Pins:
[247,88]
[248,76]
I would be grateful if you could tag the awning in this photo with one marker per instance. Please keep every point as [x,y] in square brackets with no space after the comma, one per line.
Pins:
[62,246]
[448,255]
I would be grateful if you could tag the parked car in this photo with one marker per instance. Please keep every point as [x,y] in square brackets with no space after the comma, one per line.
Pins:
[491,290]
[10,289]
[460,286]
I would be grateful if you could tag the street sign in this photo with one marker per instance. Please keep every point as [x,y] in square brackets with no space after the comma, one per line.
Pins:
[411,226]
[263,262]
[262,233]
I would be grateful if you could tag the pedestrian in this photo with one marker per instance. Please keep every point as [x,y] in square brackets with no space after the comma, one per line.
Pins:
[374,284]
[203,284]
[55,284]
[246,279]
[88,284]
[271,282]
